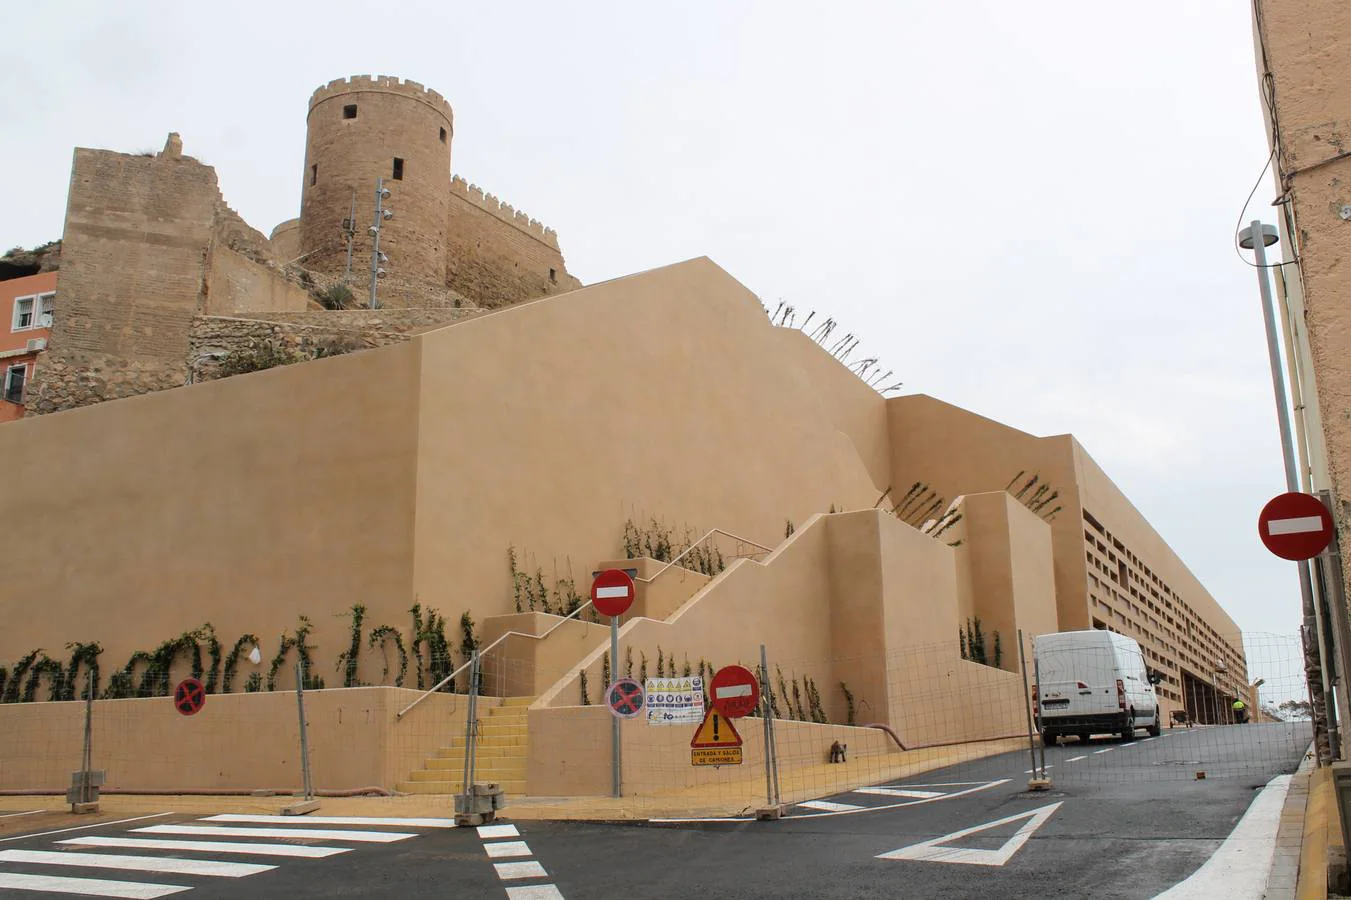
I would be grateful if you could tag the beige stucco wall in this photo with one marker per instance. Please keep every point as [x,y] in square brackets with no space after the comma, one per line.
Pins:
[239,742]
[244,502]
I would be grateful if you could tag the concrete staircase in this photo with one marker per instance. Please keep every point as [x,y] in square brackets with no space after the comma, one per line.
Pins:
[501,755]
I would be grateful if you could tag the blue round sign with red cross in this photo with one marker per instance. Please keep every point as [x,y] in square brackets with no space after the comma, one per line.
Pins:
[625,698]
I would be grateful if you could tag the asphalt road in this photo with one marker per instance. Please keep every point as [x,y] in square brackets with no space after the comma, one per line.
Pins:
[1121,821]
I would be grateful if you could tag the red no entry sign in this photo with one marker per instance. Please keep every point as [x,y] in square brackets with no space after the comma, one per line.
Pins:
[735,691]
[612,592]
[189,696]
[625,698]
[1295,526]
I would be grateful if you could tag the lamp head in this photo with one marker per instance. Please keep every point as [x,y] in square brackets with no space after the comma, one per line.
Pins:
[1269,236]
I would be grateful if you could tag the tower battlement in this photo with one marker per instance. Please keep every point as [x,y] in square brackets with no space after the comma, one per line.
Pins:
[502,210]
[384,84]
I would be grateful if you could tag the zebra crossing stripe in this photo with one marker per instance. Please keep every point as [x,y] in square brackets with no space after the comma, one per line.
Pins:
[135,863]
[509,870]
[332,820]
[534,892]
[89,887]
[367,837]
[503,849]
[259,849]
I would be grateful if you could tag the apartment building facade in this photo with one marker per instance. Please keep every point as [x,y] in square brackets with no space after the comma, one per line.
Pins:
[27,305]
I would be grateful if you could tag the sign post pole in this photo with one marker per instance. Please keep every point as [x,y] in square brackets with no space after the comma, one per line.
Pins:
[616,779]
[764,714]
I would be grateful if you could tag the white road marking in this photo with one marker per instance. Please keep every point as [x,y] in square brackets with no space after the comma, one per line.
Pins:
[1033,771]
[365,837]
[610,593]
[31,812]
[534,892]
[1108,750]
[1241,866]
[24,837]
[1298,525]
[1076,758]
[335,820]
[829,806]
[508,871]
[1147,740]
[507,848]
[980,786]
[497,831]
[934,851]
[260,849]
[895,792]
[95,887]
[134,863]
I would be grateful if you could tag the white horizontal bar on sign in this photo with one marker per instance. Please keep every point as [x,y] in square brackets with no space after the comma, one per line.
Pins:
[134,863]
[611,593]
[88,887]
[1301,525]
[736,690]
[260,849]
[898,792]
[367,837]
[334,820]
[828,806]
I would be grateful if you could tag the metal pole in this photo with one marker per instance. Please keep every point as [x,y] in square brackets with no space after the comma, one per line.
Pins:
[1332,578]
[765,714]
[375,236]
[1310,610]
[616,774]
[304,736]
[1036,679]
[87,763]
[1027,703]
[471,731]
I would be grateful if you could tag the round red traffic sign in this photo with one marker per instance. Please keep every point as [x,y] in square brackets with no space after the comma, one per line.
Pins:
[189,696]
[1295,526]
[625,698]
[612,592]
[735,691]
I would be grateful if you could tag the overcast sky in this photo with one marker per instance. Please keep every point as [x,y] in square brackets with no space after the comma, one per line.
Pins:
[1026,209]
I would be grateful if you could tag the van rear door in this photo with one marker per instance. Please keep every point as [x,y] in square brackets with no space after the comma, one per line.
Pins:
[1075,679]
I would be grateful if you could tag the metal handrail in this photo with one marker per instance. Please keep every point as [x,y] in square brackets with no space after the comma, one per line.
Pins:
[691,547]
[539,637]
[451,677]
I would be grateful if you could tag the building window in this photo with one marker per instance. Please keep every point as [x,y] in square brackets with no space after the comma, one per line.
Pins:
[314,173]
[553,276]
[398,169]
[14,379]
[23,313]
[45,304]
[443,135]
[349,111]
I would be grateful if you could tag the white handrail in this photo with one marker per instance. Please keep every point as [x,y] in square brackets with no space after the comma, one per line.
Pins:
[539,637]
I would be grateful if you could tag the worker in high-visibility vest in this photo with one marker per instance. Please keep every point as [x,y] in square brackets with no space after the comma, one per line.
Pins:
[1240,712]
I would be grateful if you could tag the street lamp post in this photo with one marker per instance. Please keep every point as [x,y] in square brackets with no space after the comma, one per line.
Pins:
[1257,237]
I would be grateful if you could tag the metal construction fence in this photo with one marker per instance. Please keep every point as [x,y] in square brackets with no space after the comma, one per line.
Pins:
[879,727]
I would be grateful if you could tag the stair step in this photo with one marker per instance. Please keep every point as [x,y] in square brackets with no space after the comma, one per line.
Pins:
[514,788]
[450,761]
[518,701]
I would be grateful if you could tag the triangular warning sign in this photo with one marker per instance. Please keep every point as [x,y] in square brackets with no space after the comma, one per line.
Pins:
[715,731]
[935,851]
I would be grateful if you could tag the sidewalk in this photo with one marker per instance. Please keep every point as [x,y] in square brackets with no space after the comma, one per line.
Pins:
[1311,826]
[713,800]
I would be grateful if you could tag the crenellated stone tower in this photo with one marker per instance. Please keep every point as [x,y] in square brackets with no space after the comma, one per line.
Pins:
[368,127]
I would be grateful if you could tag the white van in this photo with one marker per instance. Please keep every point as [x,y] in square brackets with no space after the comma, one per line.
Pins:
[1093,682]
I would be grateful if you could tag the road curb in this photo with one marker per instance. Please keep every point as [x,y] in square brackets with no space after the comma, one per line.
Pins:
[1321,846]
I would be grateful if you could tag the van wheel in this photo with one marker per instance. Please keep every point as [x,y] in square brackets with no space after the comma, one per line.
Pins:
[1084,737]
[1128,730]
[1049,739]
[1157,728]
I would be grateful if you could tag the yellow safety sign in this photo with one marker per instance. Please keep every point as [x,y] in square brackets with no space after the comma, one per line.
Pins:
[716,742]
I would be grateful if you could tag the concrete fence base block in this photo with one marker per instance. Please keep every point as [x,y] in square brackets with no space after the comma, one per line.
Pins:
[1038,784]
[81,809]
[300,809]
[770,813]
[471,819]
[263,793]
